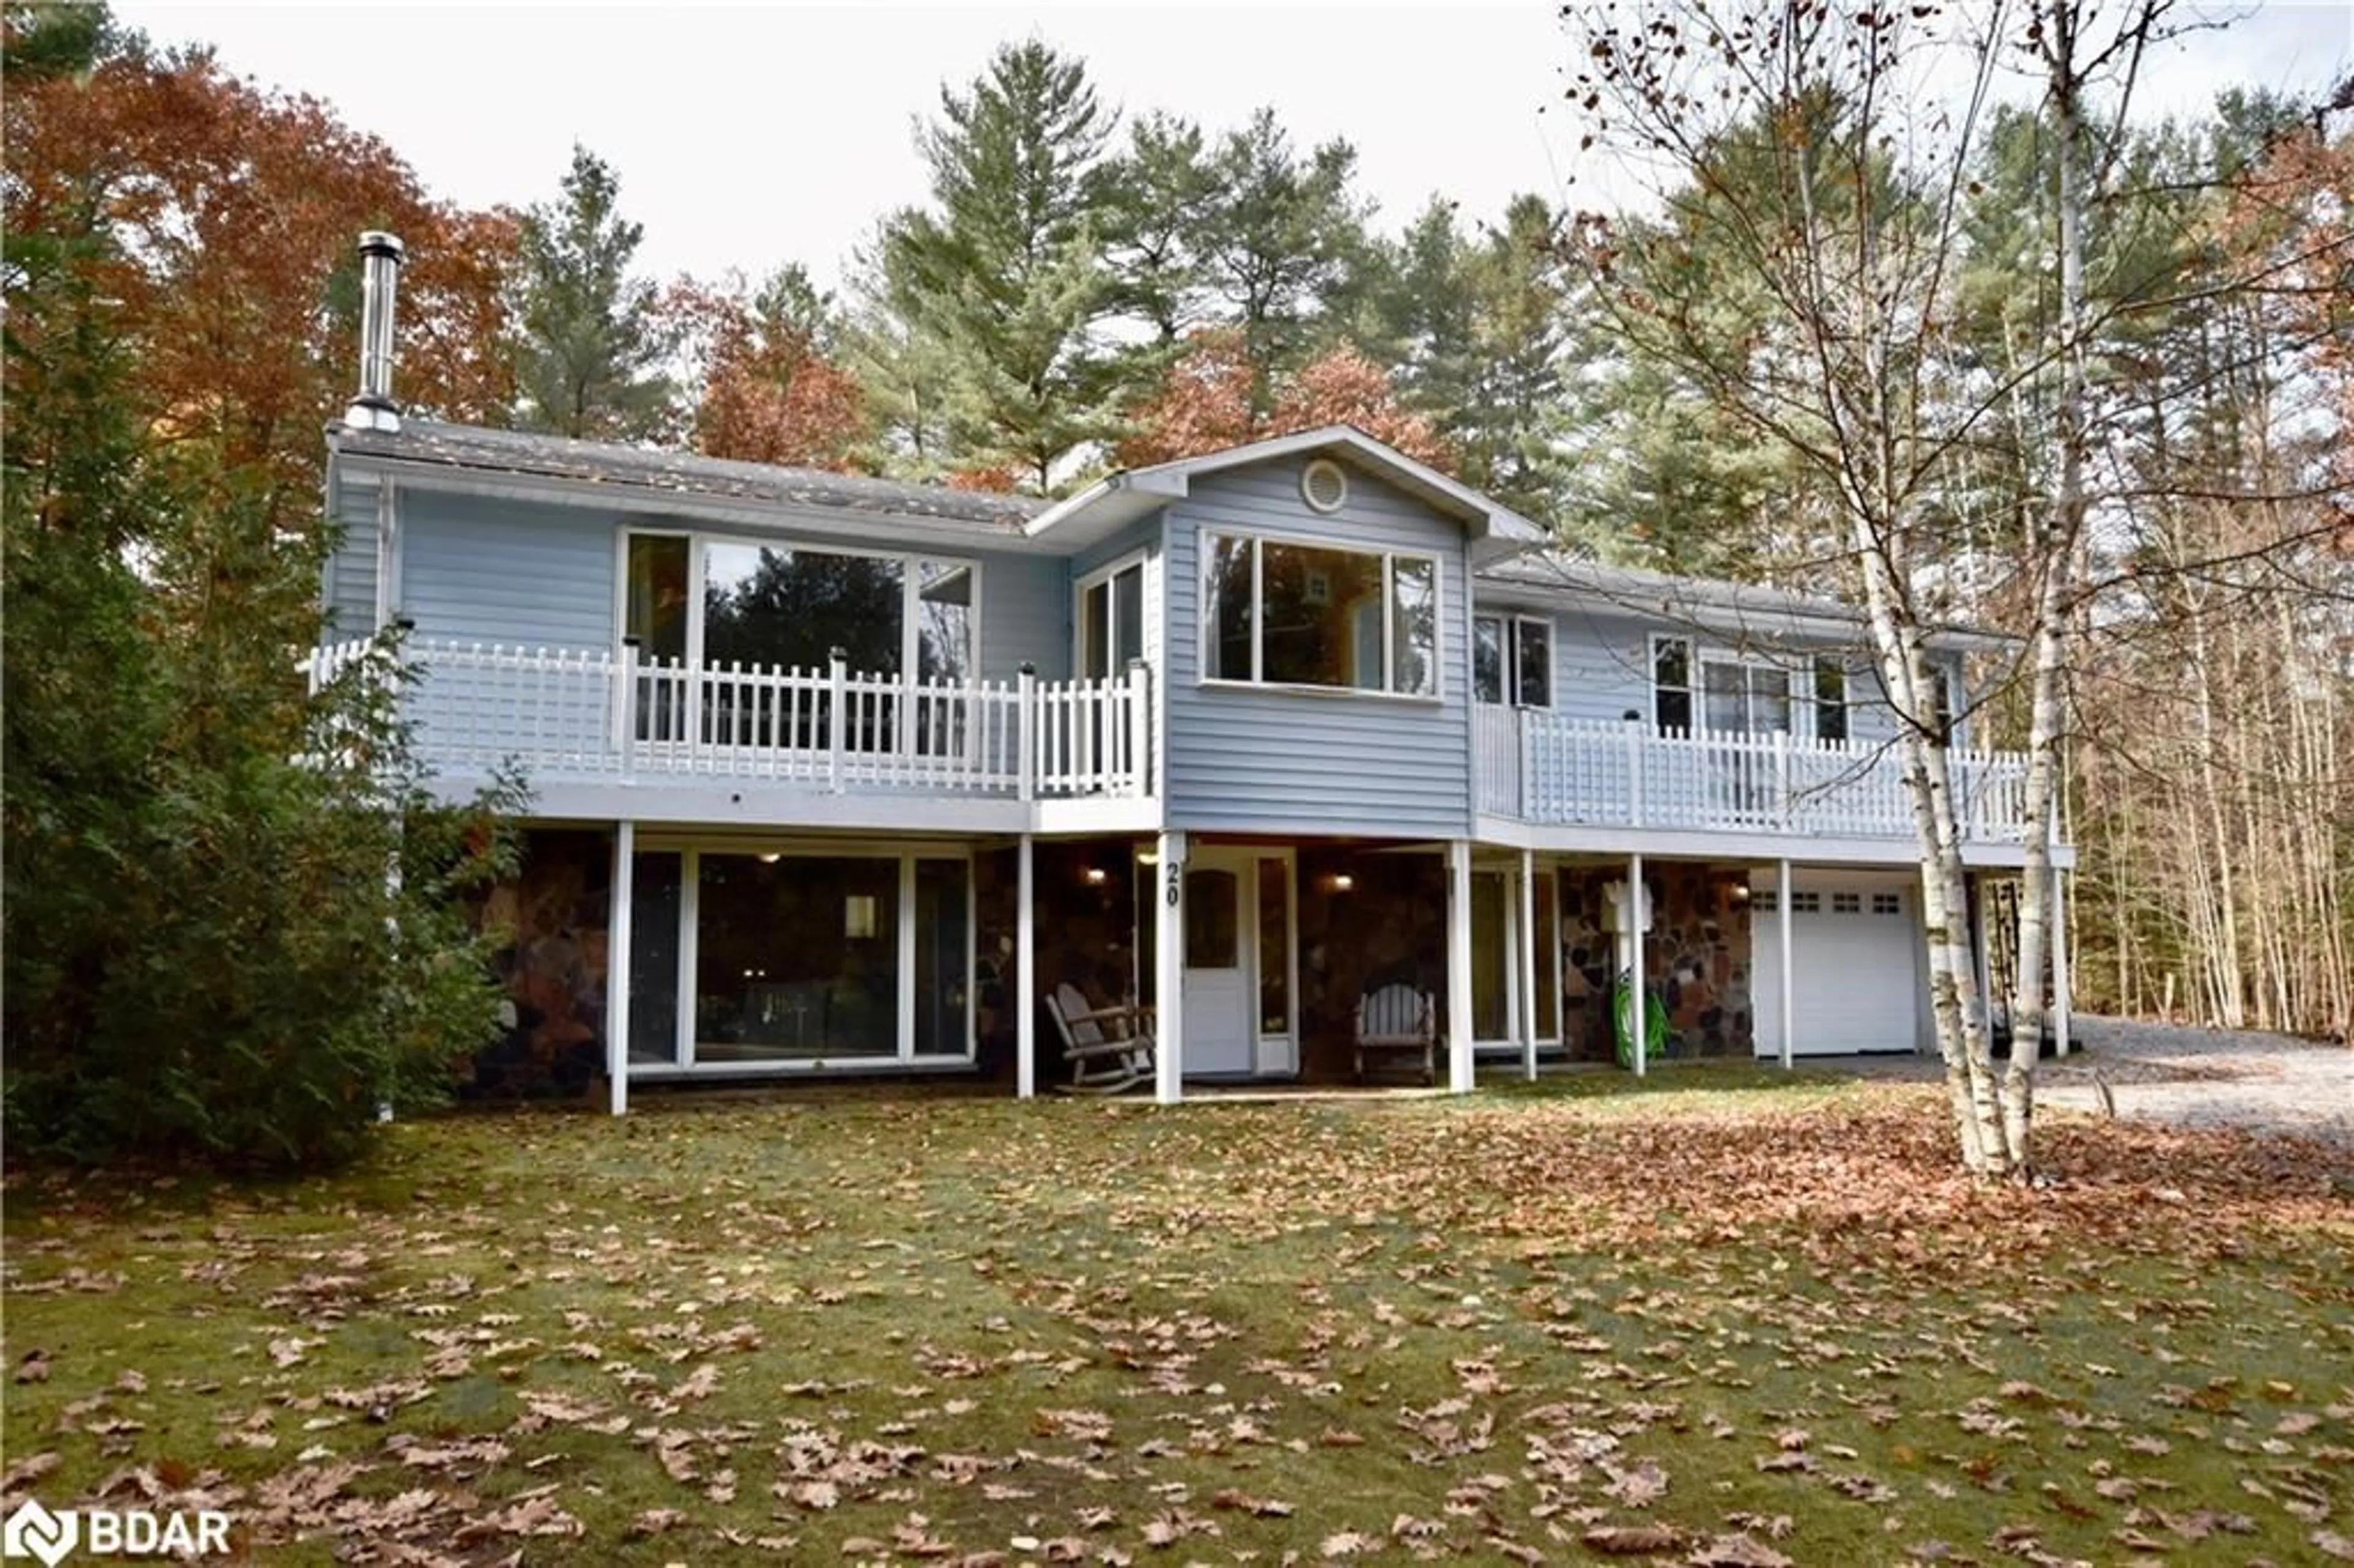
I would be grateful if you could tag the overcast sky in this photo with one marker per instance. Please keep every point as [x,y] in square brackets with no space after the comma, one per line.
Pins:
[746,136]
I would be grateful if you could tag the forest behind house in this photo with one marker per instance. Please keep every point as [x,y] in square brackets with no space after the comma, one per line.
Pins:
[1090,285]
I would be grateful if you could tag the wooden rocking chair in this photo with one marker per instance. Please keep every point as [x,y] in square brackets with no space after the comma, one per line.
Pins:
[1109,1048]
[1397,1020]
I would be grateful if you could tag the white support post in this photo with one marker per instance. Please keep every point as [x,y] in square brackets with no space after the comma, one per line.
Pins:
[1528,957]
[1634,771]
[617,969]
[1978,926]
[1136,766]
[1025,732]
[2062,1004]
[625,710]
[837,729]
[1024,992]
[1458,967]
[1169,973]
[1638,1003]
[906,940]
[1783,924]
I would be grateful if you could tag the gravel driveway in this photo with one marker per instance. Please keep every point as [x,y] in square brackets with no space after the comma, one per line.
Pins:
[2208,1078]
[2172,1072]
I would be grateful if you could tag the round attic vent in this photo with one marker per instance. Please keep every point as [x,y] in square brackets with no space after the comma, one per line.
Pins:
[1324,485]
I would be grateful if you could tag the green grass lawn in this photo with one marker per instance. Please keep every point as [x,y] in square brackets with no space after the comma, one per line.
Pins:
[1736,1318]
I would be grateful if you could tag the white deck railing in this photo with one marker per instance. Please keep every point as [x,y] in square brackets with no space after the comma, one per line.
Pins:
[1544,769]
[570,713]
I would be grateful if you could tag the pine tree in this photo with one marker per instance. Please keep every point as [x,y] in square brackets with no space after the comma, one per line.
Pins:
[592,339]
[1156,195]
[1284,239]
[999,283]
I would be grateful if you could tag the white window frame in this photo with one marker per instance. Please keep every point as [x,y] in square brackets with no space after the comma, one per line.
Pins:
[700,540]
[1820,662]
[691,849]
[1517,1002]
[1749,667]
[1133,561]
[1508,623]
[1205,624]
[1700,656]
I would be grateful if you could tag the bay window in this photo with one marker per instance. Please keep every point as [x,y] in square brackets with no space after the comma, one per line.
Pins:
[1275,612]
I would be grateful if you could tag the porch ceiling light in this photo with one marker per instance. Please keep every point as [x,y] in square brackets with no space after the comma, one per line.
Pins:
[1097,876]
[771,857]
[1148,857]
[1342,881]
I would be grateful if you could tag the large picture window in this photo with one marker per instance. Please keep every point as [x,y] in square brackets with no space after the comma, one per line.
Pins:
[796,958]
[713,601]
[1281,613]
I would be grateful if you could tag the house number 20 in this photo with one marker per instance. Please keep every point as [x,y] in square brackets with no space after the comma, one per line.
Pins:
[1176,886]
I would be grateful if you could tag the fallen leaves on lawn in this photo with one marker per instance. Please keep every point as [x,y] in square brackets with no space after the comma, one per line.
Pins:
[1633,1540]
[930,1332]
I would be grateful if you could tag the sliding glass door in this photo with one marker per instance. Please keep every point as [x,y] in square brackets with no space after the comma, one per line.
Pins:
[744,958]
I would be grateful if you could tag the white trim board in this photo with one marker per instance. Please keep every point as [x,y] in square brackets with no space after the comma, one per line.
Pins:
[1510,832]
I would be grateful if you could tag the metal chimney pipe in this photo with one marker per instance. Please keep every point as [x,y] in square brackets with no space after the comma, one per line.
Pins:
[380,258]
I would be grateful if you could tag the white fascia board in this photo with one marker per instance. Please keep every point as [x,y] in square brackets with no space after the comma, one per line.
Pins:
[1103,509]
[1894,853]
[1119,499]
[847,523]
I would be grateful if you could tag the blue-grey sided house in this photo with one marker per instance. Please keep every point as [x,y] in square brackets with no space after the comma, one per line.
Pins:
[832,774]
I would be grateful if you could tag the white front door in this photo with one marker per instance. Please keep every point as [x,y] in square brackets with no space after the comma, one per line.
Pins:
[1221,1031]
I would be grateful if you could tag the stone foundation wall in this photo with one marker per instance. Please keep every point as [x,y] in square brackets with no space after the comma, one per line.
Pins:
[1389,927]
[1084,932]
[1696,958]
[550,925]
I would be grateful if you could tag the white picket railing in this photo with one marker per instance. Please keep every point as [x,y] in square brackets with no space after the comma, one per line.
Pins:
[1544,769]
[573,713]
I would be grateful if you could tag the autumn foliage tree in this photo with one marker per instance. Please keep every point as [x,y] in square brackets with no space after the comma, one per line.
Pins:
[768,393]
[1342,386]
[1205,403]
[234,212]
[201,953]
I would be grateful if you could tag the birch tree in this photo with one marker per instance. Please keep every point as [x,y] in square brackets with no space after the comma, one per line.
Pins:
[1813,166]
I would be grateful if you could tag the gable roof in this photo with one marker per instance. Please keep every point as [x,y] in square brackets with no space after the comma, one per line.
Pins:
[672,474]
[1121,498]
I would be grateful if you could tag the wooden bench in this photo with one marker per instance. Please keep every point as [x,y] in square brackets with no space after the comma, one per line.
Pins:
[1394,1024]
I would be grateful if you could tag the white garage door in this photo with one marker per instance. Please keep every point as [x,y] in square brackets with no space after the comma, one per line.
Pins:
[1856,958]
